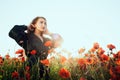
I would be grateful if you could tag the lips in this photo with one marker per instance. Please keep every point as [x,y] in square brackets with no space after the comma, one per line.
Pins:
[43,27]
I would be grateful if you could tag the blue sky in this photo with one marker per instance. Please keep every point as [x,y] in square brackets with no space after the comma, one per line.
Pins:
[79,22]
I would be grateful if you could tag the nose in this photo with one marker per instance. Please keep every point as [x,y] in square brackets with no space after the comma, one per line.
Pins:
[43,24]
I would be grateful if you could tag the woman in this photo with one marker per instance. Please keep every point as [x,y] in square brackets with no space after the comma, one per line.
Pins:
[32,39]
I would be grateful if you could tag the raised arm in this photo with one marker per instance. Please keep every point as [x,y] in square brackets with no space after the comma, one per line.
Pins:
[18,34]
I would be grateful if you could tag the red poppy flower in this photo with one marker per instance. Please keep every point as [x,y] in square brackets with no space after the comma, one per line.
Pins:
[81,50]
[27,74]
[110,46]
[64,73]
[0,57]
[7,56]
[23,59]
[15,74]
[48,43]
[82,78]
[62,59]
[21,55]
[96,45]
[45,62]
[115,72]
[117,55]
[19,51]
[89,61]
[100,51]
[33,52]
[117,62]
[1,61]
[27,68]
[104,58]
[82,61]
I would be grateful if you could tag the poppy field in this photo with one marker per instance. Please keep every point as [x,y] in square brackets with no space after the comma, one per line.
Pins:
[96,64]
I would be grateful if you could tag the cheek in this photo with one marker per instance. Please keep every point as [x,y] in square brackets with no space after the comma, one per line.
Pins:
[37,26]
[45,28]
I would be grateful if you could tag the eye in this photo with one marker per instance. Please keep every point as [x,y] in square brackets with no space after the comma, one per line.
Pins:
[41,22]
[45,23]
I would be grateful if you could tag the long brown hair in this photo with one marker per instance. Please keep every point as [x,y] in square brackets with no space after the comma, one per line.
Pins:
[31,29]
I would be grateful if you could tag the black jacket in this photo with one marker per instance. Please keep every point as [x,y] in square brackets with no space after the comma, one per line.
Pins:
[29,41]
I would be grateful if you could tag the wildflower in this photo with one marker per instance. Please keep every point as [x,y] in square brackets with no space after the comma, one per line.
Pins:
[45,62]
[117,69]
[89,61]
[27,74]
[1,60]
[33,52]
[104,58]
[0,57]
[92,55]
[19,51]
[21,55]
[15,74]
[81,50]
[96,45]
[82,78]
[48,43]
[86,55]
[92,50]
[27,68]
[100,51]
[23,59]
[113,76]
[117,62]
[82,63]
[64,73]
[62,59]
[117,55]
[115,72]
[7,56]
[110,46]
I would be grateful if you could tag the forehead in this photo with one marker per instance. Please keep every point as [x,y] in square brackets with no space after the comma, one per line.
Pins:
[41,19]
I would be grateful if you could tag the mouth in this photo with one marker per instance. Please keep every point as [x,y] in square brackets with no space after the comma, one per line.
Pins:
[43,28]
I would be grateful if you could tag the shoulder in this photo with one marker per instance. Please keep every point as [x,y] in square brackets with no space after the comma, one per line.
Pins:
[20,26]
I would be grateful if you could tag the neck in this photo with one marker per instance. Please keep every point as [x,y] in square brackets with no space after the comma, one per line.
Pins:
[38,33]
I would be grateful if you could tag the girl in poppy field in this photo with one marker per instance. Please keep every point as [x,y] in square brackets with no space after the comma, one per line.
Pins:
[32,39]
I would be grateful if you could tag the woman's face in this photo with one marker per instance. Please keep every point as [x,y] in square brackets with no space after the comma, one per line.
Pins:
[40,25]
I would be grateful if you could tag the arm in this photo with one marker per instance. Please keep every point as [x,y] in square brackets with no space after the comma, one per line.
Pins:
[17,33]
[55,38]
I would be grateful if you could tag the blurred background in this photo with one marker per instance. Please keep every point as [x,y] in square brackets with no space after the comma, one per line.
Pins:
[79,22]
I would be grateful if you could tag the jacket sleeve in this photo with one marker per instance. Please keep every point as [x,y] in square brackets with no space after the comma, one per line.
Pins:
[18,34]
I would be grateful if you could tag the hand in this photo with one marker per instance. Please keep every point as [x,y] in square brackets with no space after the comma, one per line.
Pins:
[47,32]
[31,27]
